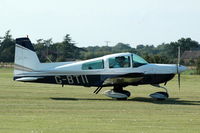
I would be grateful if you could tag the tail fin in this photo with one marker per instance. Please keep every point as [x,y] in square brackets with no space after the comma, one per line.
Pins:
[26,59]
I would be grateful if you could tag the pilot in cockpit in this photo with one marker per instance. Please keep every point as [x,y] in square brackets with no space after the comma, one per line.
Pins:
[121,62]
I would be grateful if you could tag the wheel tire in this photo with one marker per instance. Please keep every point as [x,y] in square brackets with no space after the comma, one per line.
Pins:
[126,93]
[164,96]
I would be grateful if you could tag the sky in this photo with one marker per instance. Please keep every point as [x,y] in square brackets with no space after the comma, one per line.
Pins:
[93,22]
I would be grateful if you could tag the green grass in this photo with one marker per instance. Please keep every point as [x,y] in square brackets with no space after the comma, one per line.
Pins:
[190,72]
[42,108]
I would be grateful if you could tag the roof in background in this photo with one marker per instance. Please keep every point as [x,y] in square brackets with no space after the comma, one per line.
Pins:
[190,54]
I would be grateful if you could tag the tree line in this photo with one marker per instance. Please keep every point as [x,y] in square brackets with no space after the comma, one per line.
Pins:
[66,50]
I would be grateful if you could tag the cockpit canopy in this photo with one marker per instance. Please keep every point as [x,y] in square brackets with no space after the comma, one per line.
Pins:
[123,60]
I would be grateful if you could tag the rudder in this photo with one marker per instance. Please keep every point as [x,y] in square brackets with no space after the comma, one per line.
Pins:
[26,59]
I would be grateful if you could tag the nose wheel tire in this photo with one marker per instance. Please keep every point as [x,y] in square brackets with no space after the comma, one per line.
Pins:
[160,95]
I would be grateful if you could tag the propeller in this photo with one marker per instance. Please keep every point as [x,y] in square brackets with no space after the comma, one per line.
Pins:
[177,67]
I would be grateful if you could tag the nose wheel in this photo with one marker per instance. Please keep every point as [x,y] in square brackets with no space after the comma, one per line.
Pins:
[160,95]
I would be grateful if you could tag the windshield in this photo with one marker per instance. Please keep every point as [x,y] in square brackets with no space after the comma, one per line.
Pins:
[138,61]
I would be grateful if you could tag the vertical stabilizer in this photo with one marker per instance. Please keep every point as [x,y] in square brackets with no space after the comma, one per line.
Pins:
[26,59]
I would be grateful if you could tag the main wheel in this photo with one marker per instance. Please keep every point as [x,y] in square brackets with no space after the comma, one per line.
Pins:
[126,93]
[118,93]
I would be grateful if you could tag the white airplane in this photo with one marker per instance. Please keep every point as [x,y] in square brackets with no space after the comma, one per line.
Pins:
[117,70]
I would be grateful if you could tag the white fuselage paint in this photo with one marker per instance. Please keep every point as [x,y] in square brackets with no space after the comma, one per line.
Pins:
[75,68]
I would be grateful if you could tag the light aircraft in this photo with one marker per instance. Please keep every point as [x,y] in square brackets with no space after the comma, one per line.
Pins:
[116,70]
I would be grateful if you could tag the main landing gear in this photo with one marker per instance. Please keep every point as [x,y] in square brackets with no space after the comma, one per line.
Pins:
[160,95]
[118,93]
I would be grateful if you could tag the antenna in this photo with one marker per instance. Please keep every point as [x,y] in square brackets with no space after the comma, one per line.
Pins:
[107,42]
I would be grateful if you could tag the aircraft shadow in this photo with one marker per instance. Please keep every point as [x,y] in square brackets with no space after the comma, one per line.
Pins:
[174,101]
[77,99]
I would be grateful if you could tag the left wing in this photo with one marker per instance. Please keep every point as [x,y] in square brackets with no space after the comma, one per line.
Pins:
[129,78]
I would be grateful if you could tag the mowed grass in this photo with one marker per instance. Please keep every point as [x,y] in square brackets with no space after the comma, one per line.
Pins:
[42,108]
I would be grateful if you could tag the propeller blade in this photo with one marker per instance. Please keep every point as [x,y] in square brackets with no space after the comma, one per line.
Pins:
[179,81]
[179,54]
[177,67]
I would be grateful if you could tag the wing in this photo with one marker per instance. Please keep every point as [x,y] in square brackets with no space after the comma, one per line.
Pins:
[130,78]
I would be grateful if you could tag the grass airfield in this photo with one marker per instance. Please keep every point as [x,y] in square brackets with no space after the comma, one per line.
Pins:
[42,108]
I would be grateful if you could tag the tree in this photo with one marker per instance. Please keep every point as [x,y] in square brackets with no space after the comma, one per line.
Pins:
[198,66]
[121,47]
[184,43]
[7,48]
[140,46]
[40,50]
[67,49]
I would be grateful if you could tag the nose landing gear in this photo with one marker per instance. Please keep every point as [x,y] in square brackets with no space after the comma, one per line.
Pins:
[160,95]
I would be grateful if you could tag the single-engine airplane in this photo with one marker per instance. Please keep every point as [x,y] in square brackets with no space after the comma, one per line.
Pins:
[117,70]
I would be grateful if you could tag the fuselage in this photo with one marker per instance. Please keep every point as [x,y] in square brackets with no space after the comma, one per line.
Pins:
[117,69]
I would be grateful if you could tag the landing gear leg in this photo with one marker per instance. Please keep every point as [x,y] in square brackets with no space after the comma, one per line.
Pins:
[117,89]
[97,90]
[157,85]
[160,95]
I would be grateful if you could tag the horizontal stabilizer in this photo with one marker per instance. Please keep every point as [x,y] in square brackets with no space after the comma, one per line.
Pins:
[26,79]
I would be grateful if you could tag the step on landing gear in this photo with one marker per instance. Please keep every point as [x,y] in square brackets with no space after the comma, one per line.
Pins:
[118,93]
[160,95]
